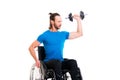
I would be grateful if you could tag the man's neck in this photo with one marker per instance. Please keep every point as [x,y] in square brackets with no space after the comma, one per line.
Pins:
[53,30]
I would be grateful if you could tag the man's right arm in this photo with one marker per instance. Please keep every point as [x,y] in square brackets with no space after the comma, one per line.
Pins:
[32,52]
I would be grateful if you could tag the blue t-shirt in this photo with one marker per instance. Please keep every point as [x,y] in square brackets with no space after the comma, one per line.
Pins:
[53,43]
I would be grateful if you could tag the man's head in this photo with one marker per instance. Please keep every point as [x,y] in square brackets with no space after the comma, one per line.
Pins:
[55,21]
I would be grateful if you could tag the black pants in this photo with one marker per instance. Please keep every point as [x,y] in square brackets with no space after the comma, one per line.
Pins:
[69,64]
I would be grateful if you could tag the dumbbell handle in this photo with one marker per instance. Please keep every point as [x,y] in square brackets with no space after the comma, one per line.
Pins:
[70,16]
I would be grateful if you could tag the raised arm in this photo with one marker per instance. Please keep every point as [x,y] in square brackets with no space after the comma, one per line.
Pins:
[32,52]
[78,32]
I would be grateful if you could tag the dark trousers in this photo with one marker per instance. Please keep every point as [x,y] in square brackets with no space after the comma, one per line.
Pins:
[69,64]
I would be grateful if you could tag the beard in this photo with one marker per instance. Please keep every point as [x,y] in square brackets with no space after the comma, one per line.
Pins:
[57,27]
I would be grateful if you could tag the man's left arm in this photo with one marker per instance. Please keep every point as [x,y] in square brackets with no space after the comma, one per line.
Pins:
[79,32]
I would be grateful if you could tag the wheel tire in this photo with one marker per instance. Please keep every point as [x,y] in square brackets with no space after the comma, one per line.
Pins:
[37,73]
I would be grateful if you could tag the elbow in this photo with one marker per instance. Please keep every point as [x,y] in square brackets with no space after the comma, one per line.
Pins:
[29,49]
[80,34]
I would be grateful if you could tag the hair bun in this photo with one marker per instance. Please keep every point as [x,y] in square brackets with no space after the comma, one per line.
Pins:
[50,13]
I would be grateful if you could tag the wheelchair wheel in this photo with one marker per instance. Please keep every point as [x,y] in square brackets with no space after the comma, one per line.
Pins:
[67,76]
[37,73]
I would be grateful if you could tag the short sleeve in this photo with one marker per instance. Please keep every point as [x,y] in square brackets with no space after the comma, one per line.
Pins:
[40,38]
[66,34]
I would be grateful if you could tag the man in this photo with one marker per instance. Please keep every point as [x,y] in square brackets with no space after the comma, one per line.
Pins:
[53,41]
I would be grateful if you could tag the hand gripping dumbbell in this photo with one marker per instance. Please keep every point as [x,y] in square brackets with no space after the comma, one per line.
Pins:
[70,17]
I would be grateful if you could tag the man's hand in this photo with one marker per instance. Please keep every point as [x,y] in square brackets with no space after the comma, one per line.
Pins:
[38,63]
[77,17]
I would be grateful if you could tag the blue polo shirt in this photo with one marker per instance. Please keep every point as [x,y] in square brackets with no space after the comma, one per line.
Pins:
[53,43]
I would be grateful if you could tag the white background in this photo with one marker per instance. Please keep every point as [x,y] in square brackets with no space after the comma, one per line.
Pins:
[97,52]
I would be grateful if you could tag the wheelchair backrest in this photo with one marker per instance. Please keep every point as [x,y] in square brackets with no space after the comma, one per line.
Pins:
[41,53]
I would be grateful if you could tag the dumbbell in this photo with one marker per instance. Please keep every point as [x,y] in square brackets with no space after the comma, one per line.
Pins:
[70,17]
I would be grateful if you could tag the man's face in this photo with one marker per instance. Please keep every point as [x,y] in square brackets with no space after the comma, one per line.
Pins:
[57,22]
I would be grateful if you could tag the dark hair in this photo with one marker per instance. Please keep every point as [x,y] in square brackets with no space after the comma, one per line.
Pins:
[52,17]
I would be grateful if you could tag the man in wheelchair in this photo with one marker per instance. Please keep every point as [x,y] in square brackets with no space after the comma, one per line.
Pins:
[53,41]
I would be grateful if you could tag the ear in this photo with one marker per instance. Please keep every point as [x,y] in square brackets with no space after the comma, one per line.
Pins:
[52,22]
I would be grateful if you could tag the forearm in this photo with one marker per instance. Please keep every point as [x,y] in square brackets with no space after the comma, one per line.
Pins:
[79,27]
[33,54]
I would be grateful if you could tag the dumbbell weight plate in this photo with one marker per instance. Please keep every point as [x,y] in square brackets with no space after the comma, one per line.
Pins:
[70,17]
[82,15]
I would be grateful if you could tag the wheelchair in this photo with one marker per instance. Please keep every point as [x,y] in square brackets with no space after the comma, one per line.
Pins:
[43,73]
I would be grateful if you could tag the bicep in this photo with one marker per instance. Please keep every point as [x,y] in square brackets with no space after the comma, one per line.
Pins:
[74,35]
